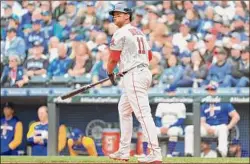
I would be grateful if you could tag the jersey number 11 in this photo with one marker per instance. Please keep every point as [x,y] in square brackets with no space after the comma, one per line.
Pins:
[141,45]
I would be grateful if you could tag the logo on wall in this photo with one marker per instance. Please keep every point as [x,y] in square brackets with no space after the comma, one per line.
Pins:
[94,129]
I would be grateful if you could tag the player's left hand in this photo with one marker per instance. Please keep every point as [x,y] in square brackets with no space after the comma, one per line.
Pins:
[164,130]
[112,78]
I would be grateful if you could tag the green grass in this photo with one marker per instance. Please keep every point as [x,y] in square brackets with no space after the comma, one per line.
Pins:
[85,159]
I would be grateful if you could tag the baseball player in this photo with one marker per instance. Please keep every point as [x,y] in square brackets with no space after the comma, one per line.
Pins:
[214,122]
[130,48]
[169,119]
[77,142]
[37,135]
[11,131]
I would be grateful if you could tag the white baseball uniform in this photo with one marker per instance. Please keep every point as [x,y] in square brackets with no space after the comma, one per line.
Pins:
[134,52]
[169,114]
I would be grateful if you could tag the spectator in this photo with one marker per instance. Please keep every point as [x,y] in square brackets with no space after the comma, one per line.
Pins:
[206,151]
[240,70]
[36,35]
[155,68]
[48,24]
[13,44]
[53,48]
[158,37]
[200,7]
[195,73]
[37,64]
[172,23]
[60,66]
[6,15]
[27,17]
[137,22]
[37,135]
[59,10]
[192,18]
[11,131]
[78,142]
[235,149]
[99,70]
[178,9]
[12,75]
[220,71]
[45,6]
[172,74]
[214,122]
[185,59]
[82,61]
[209,46]
[62,30]
[169,121]
[14,22]
[207,23]
[71,13]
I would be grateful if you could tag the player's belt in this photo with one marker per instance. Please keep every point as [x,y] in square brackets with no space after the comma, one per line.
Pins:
[142,65]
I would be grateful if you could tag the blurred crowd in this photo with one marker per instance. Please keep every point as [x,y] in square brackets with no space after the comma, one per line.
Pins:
[194,43]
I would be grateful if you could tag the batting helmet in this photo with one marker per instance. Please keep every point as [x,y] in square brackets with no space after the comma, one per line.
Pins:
[121,7]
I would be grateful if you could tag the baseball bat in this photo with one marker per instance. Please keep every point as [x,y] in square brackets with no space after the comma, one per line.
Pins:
[86,87]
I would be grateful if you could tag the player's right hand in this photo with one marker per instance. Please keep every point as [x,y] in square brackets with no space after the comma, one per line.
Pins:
[112,78]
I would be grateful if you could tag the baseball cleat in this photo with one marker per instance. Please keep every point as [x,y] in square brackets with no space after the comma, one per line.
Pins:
[150,159]
[119,156]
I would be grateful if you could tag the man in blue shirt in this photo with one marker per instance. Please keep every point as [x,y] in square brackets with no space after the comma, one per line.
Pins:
[11,131]
[220,72]
[216,120]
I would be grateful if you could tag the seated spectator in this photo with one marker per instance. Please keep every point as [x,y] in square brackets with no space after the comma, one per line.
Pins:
[194,73]
[13,44]
[172,23]
[48,24]
[36,35]
[235,149]
[173,73]
[155,68]
[220,71]
[60,66]
[99,70]
[193,19]
[169,119]
[206,23]
[62,30]
[36,64]
[11,131]
[37,135]
[240,70]
[26,18]
[209,46]
[77,143]
[59,10]
[53,48]
[12,75]
[206,151]
[82,61]
[214,122]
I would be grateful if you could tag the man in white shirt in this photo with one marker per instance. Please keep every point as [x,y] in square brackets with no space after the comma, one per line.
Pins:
[206,151]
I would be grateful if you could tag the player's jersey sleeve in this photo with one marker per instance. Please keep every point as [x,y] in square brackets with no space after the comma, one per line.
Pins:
[229,108]
[159,110]
[181,113]
[31,132]
[117,41]
[18,136]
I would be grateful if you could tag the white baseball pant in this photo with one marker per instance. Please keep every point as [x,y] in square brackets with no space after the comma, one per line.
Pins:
[135,99]
[221,132]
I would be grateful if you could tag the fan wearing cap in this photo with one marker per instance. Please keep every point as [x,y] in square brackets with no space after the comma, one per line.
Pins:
[169,119]
[99,70]
[240,69]
[207,23]
[220,71]
[11,131]
[48,25]
[59,10]
[216,120]
[36,35]
[129,47]
[27,17]
[37,135]
[62,29]
[78,143]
